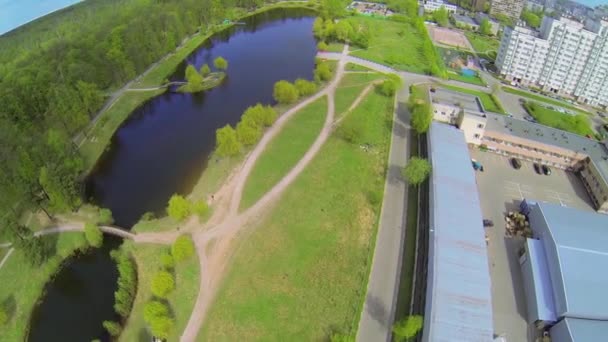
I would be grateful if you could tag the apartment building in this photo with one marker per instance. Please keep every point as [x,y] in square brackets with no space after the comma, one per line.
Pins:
[433,5]
[511,8]
[564,57]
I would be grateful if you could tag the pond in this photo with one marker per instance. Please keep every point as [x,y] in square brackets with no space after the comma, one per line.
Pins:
[163,148]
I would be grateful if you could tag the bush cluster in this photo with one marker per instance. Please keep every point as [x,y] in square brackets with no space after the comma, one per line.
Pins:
[342,31]
[180,208]
[248,131]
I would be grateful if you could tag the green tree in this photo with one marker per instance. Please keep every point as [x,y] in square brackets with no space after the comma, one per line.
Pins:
[261,115]
[220,63]
[485,27]
[248,132]
[441,16]
[227,142]
[93,234]
[351,130]
[416,170]
[388,87]
[323,72]
[182,248]
[421,117]
[154,309]
[205,70]
[343,30]
[333,8]
[112,328]
[322,46]
[531,18]
[285,92]
[178,208]
[503,19]
[192,76]
[305,87]
[318,28]
[105,216]
[407,328]
[162,284]
[161,326]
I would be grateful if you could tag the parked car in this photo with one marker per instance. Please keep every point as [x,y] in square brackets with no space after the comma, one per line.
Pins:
[546,170]
[515,163]
[529,118]
[537,168]
[476,165]
[488,223]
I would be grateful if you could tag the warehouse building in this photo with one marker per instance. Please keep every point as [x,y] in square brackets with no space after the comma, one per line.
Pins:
[563,272]
[458,303]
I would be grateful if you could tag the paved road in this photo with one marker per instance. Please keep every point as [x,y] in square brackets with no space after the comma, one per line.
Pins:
[380,302]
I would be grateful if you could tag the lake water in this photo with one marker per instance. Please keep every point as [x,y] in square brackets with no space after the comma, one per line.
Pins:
[163,148]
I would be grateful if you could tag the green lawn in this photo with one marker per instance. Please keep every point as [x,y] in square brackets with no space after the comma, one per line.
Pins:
[578,124]
[181,299]
[284,151]
[349,89]
[466,79]
[356,67]
[490,103]
[335,47]
[542,98]
[483,44]
[392,43]
[302,274]
[21,284]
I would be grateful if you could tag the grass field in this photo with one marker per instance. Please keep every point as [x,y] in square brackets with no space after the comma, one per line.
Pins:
[578,124]
[472,80]
[302,274]
[392,43]
[483,44]
[490,103]
[284,151]
[22,284]
[181,299]
[349,89]
[356,67]
[335,47]
[542,98]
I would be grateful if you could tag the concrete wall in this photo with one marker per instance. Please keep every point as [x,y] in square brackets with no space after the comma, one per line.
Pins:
[445,113]
[595,185]
[473,126]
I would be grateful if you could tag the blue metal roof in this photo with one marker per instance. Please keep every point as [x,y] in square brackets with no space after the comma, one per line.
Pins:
[579,239]
[538,288]
[579,330]
[459,300]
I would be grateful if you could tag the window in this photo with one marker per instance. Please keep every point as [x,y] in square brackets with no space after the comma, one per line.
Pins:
[480,126]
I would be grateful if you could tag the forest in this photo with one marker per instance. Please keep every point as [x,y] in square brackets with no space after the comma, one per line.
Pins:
[55,74]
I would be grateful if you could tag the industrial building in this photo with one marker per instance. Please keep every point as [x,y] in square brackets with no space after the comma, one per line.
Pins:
[525,140]
[510,8]
[565,57]
[562,269]
[458,303]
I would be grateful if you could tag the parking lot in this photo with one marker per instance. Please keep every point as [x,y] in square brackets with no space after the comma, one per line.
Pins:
[501,189]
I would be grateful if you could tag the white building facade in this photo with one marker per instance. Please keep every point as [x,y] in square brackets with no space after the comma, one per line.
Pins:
[564,57]
[433,5]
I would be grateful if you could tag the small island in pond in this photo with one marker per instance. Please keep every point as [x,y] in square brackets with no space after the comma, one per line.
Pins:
[204,79]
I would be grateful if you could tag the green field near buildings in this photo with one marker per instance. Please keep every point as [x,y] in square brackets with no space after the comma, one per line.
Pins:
[392,43]
[181,300]
[23,284]
[578,124]
[483,45]
[542,98]
[302,273]
[349,89]
[476,80]
[490,103]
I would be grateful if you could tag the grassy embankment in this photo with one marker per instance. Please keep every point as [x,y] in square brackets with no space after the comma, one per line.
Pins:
[22,284]
[578,124]
[486,47]
[489,101]
[544,99]
[302,274]
[181,300]
[392,43]
[100,134]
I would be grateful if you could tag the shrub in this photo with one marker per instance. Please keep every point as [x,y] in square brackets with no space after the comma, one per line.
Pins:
[182,248]
[127,283]
[166,260]
[161,326]
[148,216]
[248,132]
[285,92]
[200,208]
[351,131]
[322,46]
[227,142]
[105,216]
[416,170]
[323,72]
[220,63]
[421,117]
[112,328]
[162,284]
[179,207]
[154,309]
[305,88]
[261,115]
[407,328]
[93,234]
[387,88]
[205,70]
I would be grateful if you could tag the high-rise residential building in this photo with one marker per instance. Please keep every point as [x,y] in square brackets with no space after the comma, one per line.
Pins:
[511,8]
[564,57]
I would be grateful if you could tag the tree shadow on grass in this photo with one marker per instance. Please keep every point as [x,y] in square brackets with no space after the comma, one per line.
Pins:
[9,306]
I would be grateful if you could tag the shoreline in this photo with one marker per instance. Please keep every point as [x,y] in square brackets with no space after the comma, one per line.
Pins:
[92,151]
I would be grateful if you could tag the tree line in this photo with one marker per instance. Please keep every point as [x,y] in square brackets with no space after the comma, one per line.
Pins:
[55,74]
